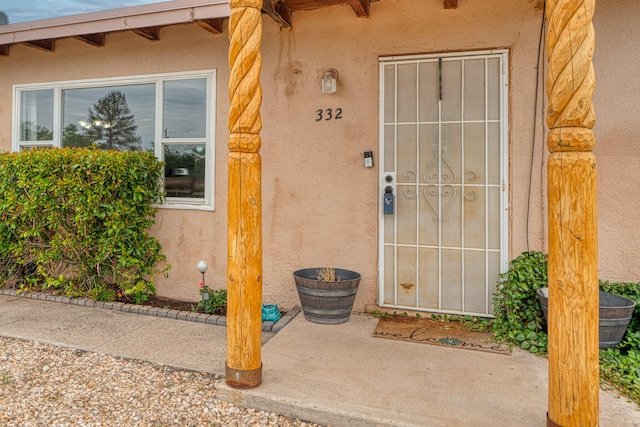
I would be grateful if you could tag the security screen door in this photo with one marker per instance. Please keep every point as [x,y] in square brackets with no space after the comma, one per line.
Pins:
[443,181]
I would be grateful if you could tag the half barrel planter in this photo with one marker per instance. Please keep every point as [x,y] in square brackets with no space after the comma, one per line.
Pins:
[615,314]
[326,302]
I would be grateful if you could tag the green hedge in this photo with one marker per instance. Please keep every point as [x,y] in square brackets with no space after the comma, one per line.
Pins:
[77,220]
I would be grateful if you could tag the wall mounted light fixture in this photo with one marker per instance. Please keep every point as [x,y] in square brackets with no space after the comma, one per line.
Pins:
[330,81]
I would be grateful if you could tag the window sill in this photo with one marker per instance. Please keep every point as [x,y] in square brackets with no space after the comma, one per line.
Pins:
[186,206]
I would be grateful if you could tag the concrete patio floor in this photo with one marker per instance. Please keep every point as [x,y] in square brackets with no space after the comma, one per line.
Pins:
[329,374]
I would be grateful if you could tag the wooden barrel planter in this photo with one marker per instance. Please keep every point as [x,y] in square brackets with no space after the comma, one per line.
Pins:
[615,314]
[326,302]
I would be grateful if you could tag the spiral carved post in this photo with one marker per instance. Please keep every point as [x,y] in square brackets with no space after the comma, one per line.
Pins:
[244,264]
[573,239]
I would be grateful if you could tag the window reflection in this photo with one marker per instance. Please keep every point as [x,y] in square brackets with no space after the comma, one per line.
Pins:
[184,170]
[185,108]
[115,117]
[36,115]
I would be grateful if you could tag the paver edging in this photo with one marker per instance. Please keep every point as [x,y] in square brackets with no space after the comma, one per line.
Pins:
[188,316]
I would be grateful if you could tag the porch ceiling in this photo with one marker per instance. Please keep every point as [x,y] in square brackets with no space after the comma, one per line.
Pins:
[148,20]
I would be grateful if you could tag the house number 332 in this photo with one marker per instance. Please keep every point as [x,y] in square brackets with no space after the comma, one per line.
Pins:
[328,114]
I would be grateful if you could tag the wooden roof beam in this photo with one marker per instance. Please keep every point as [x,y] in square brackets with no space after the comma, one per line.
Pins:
[4,50]
[450,4]
[278,11]
[47,45]
[97,40]
[212,25]
[360,7]
[149,33]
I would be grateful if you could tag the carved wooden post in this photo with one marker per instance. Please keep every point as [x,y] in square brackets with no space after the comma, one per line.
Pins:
[244,268]
[573,243]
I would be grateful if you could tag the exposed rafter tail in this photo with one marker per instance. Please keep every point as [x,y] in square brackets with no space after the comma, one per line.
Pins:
[278,11]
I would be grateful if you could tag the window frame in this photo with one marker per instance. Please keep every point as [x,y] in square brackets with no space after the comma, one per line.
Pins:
[207,203]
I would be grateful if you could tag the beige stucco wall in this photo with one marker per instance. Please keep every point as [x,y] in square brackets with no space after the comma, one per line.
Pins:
[320,204]
[617,102]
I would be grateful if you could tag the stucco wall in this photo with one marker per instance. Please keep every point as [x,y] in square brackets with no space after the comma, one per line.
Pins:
[320,203]
[617,103]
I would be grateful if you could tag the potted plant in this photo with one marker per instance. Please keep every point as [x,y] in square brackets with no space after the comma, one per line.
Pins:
[326,294]
[615,314]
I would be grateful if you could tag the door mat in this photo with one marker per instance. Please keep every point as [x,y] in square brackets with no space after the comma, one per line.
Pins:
[446,334]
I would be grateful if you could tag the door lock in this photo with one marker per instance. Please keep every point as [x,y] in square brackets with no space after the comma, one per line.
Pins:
[388,196]
[388,200]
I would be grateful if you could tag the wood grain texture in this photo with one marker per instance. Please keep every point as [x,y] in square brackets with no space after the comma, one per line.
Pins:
[245,61]
[573,290]
[244,259]
[244,263]
[573,234]
[570,76]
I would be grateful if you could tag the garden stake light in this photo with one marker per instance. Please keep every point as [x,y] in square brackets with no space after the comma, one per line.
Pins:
[202,267]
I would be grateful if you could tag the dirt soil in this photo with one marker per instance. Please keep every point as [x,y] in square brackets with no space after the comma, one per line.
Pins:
[161,302]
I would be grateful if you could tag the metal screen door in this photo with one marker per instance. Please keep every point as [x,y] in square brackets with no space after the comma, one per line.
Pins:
[443,181]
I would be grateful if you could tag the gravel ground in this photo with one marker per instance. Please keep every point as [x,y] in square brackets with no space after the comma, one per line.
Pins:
[44,385]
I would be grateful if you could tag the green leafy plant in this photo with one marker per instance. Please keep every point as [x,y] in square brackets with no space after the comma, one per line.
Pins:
[621,369]
[471,322]
[620,366]
[73,220]
[140,291]
[213,301]
[518,314]
[102,293]
[477,323]
[380,314]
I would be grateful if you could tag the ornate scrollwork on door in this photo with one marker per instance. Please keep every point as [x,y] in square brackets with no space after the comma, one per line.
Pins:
[439,170]
[446,194]
[440,191]
[410,193]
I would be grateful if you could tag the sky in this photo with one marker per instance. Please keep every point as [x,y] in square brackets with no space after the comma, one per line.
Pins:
[29,10]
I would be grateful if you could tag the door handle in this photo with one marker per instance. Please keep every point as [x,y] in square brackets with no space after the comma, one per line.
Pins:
[388,200]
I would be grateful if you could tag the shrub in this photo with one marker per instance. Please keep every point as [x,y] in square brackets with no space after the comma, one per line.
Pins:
[620,366]
[519,319]
[77,220]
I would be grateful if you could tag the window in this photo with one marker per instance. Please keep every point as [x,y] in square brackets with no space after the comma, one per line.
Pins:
[171,115]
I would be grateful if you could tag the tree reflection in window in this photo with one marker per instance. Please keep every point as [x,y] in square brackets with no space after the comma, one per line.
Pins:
[36,115]
[29,129]
[111,125]
[112,118]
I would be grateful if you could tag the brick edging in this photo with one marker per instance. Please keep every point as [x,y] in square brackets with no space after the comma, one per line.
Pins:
[189,316]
